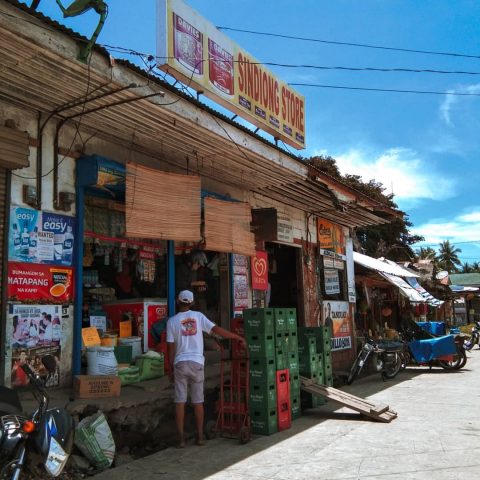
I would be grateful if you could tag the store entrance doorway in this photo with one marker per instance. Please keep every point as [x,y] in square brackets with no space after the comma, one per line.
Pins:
[283,262]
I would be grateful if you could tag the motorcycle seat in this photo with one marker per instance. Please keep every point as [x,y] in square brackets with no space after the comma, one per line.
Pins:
[390,346]
[10,402]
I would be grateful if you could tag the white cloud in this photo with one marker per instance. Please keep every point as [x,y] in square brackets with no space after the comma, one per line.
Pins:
[451,101]
[399,169]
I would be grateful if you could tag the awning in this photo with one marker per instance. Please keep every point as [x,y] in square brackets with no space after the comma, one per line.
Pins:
[430,299]
[382,266]
[462,289]
[405,288]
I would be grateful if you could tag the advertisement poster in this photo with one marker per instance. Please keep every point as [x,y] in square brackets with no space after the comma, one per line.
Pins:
[32,282]
[337,315]
[240,285]
[41,237]
[240,264]
[260,271]
[205,59]
[36,332]
[332,282]
[330,236]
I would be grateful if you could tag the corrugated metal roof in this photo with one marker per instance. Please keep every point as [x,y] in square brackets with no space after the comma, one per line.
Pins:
[464,278]
[382,266]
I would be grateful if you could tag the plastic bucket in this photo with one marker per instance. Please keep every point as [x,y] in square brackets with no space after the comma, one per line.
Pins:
[101,361]
[109,340]
[125,328]
[135,342]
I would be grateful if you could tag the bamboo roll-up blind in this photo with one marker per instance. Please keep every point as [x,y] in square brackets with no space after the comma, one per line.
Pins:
[162,205]
[227,227]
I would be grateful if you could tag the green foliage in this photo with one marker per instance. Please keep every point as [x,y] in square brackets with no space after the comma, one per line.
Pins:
[448,257]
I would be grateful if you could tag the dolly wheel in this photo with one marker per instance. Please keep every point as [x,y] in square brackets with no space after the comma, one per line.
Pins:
[211,429]
[245,435]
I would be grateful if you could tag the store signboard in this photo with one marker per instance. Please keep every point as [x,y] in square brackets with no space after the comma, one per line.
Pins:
[201,56]
[330,236]
[32,282]
[34,332]
[41,237]
[260,271]
[284,228]
[332,282]
[337,315]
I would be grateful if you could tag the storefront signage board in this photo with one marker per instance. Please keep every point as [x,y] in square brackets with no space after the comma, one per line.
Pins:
[201,56]
[332,282]
[337,314]
[29,281]
[284,228]
[36,331]
[330,236]
[41,237]
[260,271]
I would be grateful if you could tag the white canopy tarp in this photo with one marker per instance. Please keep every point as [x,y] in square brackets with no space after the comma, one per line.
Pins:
[382,266]
[406,289]
[430,299]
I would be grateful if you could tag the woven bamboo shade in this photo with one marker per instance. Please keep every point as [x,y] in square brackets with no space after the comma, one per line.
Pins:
[14,148]
[227,227]
[162,205]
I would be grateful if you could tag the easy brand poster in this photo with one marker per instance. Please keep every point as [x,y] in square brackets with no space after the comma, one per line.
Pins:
[260,271]
[337,316]
[31,282]
[36,332]
[41,237]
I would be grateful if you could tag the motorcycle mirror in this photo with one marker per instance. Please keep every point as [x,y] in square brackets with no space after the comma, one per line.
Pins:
[49,363]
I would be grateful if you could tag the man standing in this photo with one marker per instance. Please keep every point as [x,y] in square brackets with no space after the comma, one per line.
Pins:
[185,353]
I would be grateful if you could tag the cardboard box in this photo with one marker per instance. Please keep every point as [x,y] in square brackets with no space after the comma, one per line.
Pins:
[96,386]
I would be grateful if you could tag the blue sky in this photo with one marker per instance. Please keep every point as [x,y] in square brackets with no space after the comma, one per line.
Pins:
[423,147]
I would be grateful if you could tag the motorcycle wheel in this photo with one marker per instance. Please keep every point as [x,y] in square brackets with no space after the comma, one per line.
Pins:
[356,369]
[469,344]
[405,359]
[391,370]
[458,362]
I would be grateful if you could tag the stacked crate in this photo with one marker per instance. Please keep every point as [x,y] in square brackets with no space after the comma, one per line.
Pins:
[260,336]
[293,365]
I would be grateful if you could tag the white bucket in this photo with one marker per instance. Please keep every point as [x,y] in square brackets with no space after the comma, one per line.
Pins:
[136,344]
[101,361]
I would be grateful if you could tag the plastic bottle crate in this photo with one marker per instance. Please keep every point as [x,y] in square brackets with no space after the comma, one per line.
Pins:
[260,345]
[325,333]
[237,325]
[263,370]
[294,385]
[326,358]
[328,380]
[238,372]
[264,422]
[311,401]
[309,366]
[284,415]
[150,367]
[280,359]
[291,320]
[238,350]
[291,341]
[295,408]
[293,363]
[259,321]
[279,340]
[327,370]
[280,316]
[262,396]
[283,385]
[312,332]
[307,346]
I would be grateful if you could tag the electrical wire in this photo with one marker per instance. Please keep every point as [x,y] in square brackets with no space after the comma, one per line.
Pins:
[349,44]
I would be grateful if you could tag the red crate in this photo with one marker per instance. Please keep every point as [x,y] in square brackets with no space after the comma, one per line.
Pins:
[237,326]
[238,350]
[284,415]
[283,385]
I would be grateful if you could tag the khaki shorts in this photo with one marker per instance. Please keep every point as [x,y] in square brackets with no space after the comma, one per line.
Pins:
[188,374]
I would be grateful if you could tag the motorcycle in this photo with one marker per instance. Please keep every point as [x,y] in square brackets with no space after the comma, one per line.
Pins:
[412,333]
[475,337]
[43,439]
[386,359]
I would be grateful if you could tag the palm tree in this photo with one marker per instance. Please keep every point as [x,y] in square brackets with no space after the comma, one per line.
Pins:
[448,256]
[426,253]
[467,268]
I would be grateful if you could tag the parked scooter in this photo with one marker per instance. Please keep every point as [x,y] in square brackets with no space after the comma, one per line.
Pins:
[385,356]
[475,337]
[43,439]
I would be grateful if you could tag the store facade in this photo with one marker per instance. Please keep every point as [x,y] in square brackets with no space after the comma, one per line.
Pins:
[95,136]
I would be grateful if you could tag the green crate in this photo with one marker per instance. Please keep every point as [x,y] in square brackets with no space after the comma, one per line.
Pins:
[293,362]
[295,388]
[123,353]
[263,370]
[291,320]
[279,340]
[260,345]
[280,315]
[280,359]
[264,422]
[129,375]
[308,400]
[307,346]
[328,380]
[327,370]
[258,321]
[150,367]
[262,396]
[325,333]
[321,378]
[296,411]
[291,342]
[309,365]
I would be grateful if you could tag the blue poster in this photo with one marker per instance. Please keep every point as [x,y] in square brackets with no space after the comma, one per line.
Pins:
[41,237]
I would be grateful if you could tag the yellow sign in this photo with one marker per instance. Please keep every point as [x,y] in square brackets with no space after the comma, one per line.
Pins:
[330,236]
[90,337]
[194,51]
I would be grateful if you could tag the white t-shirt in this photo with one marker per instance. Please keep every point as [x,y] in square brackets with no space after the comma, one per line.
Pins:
[185,329]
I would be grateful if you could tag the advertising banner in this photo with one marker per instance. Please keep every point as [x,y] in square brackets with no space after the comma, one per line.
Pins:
[240,291]
[260,271]
[207,60]
[32,283]
[41,237]
[332,282]
[337,316]
[36,332]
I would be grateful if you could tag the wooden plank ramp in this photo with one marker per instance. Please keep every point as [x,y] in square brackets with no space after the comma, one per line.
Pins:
[380,413]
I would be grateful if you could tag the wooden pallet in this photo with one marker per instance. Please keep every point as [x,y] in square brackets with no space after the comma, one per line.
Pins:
[380,413]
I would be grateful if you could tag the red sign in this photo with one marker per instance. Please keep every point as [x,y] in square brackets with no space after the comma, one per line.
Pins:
[260,271]
[33,282]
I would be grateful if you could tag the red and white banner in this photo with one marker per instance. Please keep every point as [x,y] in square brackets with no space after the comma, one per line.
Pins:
[30,282]
[260,271]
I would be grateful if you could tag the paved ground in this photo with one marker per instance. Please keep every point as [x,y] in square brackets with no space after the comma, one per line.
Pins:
[436,437]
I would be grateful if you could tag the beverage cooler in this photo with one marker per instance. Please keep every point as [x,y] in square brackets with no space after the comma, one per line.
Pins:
[144,312]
